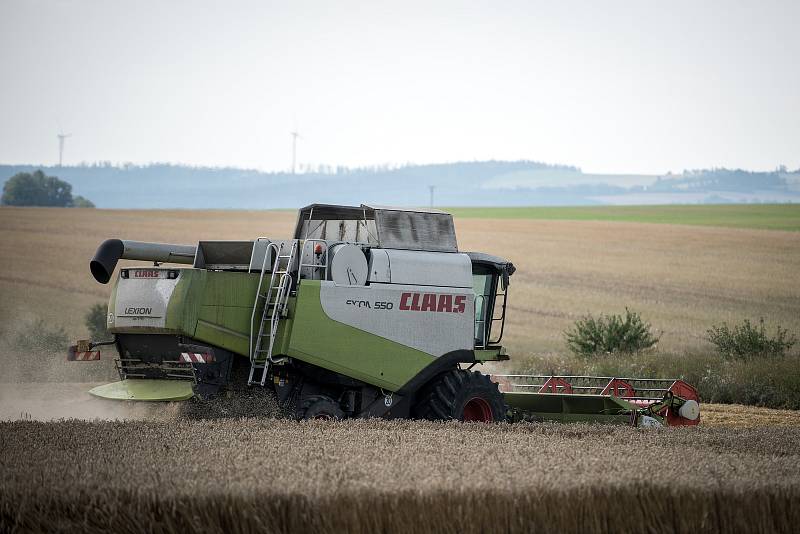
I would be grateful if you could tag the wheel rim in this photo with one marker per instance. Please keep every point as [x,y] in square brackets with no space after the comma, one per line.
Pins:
[477,409]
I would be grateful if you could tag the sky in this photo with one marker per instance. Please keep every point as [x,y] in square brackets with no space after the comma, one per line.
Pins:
[611,87]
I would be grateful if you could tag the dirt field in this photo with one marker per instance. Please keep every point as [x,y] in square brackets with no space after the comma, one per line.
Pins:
[381,476]
[681,278]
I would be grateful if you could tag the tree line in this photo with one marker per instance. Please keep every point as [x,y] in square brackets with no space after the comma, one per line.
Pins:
[38,189]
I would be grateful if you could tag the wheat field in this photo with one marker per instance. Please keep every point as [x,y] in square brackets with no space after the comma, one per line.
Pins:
[266,475]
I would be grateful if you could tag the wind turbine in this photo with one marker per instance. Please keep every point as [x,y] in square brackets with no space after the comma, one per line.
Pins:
[295,136]
[61,138]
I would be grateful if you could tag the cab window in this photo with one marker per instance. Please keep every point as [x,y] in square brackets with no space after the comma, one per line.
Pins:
[483,286]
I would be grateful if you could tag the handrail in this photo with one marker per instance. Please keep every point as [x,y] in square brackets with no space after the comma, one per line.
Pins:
[253,251]
[314,265]
[281,300]
[484,334]
[271,245]
[502,317]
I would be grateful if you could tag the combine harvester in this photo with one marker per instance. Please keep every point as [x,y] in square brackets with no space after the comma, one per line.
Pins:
[366,312]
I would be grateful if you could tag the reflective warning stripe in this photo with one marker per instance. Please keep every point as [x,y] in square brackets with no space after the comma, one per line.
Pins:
[86,356]
[196,357]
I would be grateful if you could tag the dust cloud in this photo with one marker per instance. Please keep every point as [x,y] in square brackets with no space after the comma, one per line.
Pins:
[71,400]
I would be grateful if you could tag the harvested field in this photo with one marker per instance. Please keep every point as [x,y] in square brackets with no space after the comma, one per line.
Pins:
[379,476]
[738,416]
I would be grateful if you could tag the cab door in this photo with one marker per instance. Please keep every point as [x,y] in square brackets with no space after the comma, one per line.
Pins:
[490,304]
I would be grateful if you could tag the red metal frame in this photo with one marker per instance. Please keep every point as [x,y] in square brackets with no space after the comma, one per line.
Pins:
[554,383]
[619,388]
[681,389]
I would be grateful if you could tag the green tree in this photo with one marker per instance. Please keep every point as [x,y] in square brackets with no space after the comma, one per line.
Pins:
[36,189]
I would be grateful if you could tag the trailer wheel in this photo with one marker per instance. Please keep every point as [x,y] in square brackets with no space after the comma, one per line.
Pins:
[322,407]
[463,396]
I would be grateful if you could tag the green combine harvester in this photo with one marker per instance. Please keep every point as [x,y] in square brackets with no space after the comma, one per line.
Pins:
[366,311]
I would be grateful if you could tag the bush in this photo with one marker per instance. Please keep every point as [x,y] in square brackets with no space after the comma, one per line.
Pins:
[81,202]
[96,323]
[746,341]
[609,334]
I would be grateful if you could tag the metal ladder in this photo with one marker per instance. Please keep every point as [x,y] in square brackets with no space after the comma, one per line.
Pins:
[275,300]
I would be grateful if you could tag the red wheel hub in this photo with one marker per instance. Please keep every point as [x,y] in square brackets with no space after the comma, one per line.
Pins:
[477,409]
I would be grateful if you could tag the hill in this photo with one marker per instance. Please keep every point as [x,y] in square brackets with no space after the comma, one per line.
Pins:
[481,183]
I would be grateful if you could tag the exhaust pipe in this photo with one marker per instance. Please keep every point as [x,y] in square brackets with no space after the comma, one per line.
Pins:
[112,250]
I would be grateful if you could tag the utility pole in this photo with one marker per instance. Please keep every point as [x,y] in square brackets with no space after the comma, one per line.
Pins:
[431,187]
[61,138]
[295,135]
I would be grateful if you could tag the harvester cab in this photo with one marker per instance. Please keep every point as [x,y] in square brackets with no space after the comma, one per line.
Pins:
[366,311]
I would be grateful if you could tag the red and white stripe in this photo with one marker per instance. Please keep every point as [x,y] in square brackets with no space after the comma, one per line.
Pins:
[196,357]
[86,356]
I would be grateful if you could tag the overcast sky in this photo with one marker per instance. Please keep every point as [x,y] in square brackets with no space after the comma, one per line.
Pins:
[621,87]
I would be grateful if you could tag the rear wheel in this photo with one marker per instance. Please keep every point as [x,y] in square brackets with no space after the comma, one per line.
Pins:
[463,396]
[322,407]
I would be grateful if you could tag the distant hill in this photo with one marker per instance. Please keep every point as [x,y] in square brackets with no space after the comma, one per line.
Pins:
[482,183]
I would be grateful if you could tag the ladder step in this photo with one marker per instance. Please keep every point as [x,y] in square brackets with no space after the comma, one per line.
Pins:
[274,309]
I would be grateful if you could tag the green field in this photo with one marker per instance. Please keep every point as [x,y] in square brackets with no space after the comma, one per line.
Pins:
[756,216]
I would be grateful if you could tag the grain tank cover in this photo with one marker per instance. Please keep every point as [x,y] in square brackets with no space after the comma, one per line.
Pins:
[415,229]
[387,227]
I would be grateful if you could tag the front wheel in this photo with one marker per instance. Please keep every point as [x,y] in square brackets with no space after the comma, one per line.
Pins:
[322,407]
[463,396]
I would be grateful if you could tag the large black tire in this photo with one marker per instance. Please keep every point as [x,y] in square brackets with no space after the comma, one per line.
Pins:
[322,407]
[463,396]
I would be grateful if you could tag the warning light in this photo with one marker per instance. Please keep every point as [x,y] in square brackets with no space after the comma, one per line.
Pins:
[318,249]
